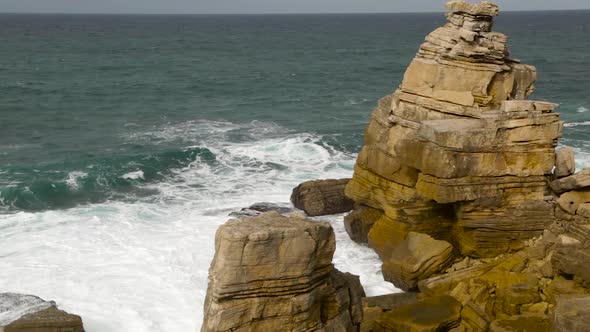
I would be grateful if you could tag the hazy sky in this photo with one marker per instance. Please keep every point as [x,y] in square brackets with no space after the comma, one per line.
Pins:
[262,6]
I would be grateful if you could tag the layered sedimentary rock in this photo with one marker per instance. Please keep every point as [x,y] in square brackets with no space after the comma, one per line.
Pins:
[275,273]
[28,313]
[458,152]
[460,155]
[322,197]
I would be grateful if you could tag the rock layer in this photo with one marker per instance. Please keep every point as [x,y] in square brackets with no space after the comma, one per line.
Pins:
[275,273]
[468,198]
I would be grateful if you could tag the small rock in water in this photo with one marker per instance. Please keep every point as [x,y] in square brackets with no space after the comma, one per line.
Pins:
[259,208]
[26,313]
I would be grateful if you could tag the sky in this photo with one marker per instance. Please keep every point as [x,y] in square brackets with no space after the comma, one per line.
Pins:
[261,6]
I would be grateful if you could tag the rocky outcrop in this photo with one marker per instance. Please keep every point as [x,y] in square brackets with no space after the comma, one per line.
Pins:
[275,273]
[460,190]
[459,141]
[322,197]
[28,313]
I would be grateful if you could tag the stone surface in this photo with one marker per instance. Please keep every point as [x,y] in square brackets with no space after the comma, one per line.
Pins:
[374,307]
[28,313]
[359,222]
[431,314]
[461,137]
[259,208]
[571,314]
[418,257]
[565,164]
[275,273]
[571,200]
[521,323]
[576,181]
[322,197]
[573,258]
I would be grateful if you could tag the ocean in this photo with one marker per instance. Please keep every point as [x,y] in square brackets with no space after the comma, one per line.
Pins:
[125,140]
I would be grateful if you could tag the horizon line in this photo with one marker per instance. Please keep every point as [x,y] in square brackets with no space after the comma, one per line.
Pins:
[274,13]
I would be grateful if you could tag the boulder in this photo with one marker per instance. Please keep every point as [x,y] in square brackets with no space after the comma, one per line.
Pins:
[273,273]
[565,164]
[28,313]
[571,200]
[322,197]
[572,257]
[259,208]
[571,314]
[576,181]
[417,257]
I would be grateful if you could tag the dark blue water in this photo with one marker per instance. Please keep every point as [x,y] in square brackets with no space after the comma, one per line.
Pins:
[80,92]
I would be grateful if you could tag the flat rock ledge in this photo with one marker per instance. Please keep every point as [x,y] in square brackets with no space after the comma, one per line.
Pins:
[28,313]
[275,273]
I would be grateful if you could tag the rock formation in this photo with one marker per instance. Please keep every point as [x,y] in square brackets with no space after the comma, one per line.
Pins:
[461,192]
[275,273]
[458,152]
[28,313]
[322,197]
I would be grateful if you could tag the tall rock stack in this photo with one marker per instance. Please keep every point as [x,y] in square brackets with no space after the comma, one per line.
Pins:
[458,152]
[275,273]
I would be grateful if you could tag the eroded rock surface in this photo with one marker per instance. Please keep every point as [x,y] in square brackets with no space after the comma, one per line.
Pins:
[460,141]
[275,273]
[28,313]
[322,197]
[460,190]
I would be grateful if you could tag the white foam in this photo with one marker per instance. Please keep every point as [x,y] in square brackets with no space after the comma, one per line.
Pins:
[582,109]
[576,124]
[136,175]
[73,177]
[14,306]
[142,266]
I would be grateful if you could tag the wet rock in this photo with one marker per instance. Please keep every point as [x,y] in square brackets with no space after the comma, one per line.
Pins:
[259,208]
[322,197]
[28,313]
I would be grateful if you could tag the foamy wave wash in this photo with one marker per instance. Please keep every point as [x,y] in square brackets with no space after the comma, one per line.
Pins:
[139,263]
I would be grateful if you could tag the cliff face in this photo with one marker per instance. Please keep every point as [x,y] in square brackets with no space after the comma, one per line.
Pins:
[458,152]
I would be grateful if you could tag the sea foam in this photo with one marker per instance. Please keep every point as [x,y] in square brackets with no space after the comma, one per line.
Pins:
[143,265]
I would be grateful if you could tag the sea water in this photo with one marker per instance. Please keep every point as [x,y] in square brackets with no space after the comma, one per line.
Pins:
[125,141]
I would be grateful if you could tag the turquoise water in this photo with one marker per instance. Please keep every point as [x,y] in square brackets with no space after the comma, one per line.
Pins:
[79,91]
[126,140]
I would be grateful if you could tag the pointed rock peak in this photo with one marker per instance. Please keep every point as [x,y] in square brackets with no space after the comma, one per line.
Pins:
[484,8]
